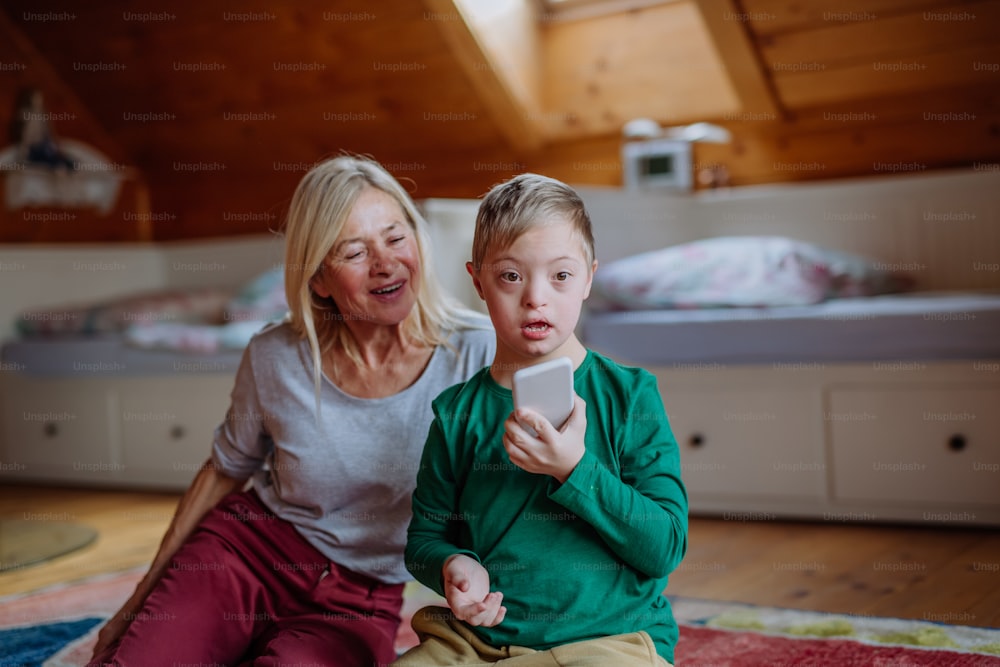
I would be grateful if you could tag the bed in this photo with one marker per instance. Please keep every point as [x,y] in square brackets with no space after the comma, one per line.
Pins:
[812,405]
[118,363]
[933,326]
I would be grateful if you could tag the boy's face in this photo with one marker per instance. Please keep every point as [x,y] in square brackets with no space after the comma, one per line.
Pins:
[534,291]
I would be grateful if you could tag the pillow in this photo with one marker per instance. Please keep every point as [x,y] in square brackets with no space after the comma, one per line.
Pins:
[262,299]
[739,271]
[203,304]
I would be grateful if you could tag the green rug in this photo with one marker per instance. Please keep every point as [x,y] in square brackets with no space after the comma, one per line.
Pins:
[25,542]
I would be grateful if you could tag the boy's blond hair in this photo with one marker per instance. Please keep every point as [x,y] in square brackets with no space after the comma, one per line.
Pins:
[516,206]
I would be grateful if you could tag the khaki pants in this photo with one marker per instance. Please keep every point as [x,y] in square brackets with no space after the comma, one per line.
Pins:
[446,641]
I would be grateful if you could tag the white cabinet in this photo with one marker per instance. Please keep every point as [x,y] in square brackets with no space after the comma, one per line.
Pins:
[53,432]
[152,432]
[166,431]
[916,442]
[931,446]
[735,443]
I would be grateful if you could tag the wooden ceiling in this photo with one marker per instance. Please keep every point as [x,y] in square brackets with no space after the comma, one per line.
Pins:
[859,87]
[221,107]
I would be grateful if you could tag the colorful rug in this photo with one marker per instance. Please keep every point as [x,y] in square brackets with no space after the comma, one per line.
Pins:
[729,634]
[56,627]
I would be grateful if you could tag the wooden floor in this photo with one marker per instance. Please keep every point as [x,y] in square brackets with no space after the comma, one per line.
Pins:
[936,574]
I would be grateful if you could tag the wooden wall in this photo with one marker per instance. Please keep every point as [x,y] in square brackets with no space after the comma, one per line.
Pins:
[827,89]
[217,112]
[222,111]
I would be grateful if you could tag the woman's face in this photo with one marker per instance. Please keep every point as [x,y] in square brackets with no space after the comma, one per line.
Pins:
[373,270]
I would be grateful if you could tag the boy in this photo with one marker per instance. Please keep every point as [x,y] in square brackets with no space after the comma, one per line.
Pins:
[549,549]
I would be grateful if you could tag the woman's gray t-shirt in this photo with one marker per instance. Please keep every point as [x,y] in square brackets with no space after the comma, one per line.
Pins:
[345,480]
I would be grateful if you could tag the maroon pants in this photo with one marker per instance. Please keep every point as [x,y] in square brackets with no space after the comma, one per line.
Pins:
[247,589]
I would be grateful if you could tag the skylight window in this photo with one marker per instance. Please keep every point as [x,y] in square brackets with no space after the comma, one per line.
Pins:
[565,10]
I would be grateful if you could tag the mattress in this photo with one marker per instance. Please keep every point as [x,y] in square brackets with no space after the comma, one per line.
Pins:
[107,356]
[899,327]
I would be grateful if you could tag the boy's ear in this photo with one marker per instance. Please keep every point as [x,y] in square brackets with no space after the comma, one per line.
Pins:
[590,279]
[475,279]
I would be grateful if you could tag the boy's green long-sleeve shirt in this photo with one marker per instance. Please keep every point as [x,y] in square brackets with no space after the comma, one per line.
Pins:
[580,560]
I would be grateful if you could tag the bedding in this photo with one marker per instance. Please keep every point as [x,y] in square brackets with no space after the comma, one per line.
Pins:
[740,271]
[197,320]
[887,328]
[116,315]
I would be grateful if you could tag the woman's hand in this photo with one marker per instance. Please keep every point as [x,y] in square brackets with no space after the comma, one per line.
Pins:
[467,590]
[116,626]
[551,452]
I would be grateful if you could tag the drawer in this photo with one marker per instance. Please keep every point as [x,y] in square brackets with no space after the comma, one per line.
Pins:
[57,430]
[167,425]
[766,443]
[928,446]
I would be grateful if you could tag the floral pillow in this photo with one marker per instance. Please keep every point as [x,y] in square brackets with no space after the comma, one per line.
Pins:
[740,271]
[260,301]
[263,299]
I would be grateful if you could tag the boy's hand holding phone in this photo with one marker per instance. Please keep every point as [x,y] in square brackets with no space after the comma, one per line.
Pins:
[467,590]
[550,452]
[544,434]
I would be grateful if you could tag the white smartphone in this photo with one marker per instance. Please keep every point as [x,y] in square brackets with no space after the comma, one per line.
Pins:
[546,388]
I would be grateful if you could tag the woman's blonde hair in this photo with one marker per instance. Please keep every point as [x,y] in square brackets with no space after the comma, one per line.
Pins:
[316,217]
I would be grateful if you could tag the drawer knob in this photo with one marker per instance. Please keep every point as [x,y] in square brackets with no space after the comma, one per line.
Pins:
[696,440]
[957,442]
[51,429]
[177,432]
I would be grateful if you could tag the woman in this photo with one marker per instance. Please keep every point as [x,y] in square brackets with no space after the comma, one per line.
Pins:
[328,418]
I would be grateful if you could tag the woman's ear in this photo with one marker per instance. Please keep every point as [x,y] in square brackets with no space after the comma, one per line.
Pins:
[317,286]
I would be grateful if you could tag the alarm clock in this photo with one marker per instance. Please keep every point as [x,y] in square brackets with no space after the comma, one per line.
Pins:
[657,164]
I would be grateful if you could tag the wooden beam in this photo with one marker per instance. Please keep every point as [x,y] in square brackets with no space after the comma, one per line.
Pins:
[731,37]
[516,117]
[889,76]
[903,36]
[773,17]
[821,150]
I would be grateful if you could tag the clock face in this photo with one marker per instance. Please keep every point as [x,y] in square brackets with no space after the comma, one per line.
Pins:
[658,165]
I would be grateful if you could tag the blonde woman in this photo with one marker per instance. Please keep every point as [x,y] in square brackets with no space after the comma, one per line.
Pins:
[329,413]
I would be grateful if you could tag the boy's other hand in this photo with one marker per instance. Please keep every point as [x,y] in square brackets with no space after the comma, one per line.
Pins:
[467,590]
[551,452]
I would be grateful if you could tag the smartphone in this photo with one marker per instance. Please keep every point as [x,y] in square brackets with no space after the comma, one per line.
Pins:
[546,388]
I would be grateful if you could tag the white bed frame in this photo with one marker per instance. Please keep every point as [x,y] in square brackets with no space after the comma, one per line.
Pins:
[824,441]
